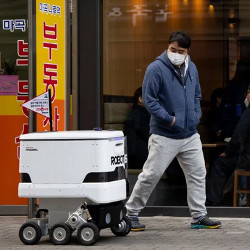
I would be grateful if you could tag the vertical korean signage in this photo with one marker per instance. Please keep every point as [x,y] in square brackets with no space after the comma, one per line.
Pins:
[51,60]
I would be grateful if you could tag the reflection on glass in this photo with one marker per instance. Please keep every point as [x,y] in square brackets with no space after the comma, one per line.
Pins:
[136,32]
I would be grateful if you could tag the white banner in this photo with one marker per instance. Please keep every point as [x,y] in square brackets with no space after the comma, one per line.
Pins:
[39,104]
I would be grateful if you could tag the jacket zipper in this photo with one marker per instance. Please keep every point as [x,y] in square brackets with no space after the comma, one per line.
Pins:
[185,125]
[183,83]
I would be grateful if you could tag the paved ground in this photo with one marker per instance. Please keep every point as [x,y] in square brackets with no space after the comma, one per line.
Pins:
[162,233]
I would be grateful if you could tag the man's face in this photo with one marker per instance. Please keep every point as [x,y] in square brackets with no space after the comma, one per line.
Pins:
[248,97]
[174,47]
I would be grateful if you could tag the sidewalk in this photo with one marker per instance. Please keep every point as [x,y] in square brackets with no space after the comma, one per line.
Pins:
[162,232]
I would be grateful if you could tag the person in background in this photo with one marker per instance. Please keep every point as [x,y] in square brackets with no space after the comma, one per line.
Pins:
[232,102]
[215,115]
[137,132]
[171,93]
[236,155]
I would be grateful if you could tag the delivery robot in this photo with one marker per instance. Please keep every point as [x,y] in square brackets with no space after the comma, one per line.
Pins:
[80,178]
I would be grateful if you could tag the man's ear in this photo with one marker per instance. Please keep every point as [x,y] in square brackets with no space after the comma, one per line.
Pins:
[140,99]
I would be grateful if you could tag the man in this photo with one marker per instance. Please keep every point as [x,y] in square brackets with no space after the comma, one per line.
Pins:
[171,93]
[236,155]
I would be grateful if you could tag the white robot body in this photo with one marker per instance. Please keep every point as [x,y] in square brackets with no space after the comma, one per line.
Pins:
[73,164]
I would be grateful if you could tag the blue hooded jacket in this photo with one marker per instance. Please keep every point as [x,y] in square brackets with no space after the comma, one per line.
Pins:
[165,96]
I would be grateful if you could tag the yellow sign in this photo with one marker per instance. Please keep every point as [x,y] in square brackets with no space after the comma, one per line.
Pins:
[50,59]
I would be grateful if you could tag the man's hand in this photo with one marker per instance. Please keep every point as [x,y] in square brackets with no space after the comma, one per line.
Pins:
[223,155]
[172,123]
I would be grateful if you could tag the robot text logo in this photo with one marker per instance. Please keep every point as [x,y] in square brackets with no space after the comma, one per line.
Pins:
[115,160]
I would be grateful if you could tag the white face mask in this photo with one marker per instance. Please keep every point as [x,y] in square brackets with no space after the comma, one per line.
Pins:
[176,58]
[246,103]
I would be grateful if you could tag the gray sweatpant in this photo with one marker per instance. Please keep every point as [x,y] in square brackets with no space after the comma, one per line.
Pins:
[162,151]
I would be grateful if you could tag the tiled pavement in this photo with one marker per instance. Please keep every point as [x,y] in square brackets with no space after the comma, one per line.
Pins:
[162,232]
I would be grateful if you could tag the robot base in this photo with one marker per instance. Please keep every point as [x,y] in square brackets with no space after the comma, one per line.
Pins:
[56,219]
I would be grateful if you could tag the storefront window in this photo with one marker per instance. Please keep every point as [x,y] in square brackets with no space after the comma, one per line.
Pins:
[135,32]
[13,93]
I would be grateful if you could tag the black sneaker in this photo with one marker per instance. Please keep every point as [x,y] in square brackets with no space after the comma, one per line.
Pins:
[206,223]
[135,224]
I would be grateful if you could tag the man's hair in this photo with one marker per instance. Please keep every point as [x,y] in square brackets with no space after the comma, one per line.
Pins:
[248,89]
[217,93]
[137,94]
[183,40]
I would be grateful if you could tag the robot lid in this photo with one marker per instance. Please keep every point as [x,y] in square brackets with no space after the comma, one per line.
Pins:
[73,135]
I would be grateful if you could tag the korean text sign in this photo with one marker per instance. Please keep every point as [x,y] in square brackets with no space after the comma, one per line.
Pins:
[50,59]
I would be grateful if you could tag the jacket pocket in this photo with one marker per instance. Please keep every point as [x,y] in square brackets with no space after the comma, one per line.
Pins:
[179,122]
[192,120]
